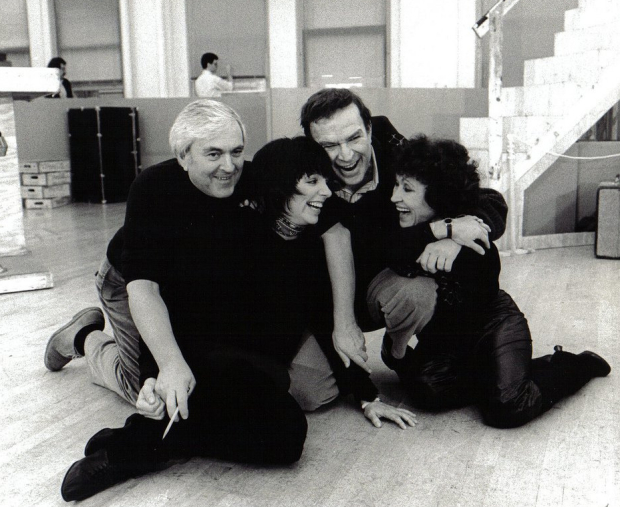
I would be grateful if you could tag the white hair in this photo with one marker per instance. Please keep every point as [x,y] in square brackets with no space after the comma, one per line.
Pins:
[200,120]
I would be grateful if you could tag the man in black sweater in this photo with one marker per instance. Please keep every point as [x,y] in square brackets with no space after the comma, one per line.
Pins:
[360,147]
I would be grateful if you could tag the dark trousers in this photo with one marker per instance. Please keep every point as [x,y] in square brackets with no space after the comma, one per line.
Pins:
[239,411]
[492,367]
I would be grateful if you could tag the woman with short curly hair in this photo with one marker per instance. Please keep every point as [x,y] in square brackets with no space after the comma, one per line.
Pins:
[477,347]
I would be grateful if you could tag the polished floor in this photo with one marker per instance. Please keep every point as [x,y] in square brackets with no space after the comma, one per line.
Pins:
[568,457]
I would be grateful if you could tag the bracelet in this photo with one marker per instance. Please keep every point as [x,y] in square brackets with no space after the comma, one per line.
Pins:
[366,403]
[448,222]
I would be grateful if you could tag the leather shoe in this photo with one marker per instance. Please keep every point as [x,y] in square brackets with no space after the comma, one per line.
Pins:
[595,364]
[100,440]
[61,345]
[90,476]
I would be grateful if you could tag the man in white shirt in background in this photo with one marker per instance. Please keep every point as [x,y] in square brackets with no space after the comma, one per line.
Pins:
[208,83]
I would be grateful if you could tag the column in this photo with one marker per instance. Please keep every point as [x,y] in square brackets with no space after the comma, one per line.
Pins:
[154,47]
[284,48]
[41,31]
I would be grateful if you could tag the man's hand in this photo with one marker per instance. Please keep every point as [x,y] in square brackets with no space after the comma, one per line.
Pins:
[377,410]
[466,230]
[174,384]
[439,256]
[149,403]
[350,344]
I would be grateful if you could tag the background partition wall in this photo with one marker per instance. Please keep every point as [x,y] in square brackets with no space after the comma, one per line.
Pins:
[235,30]
[344,43]
[89,39]
[14,41]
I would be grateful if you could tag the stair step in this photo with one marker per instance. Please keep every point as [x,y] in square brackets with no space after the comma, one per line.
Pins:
[540,100]
[582,68]
[587,39]
[474,132]
[577,19]
[605,5]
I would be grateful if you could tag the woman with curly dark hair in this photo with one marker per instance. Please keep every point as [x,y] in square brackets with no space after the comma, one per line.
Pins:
[477,347]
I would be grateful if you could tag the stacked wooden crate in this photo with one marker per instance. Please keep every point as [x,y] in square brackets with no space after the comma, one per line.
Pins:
[45,184]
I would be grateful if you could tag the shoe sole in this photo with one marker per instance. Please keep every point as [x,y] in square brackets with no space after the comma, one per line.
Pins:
[49,349]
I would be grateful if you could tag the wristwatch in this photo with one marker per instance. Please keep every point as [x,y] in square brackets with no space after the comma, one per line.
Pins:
[448,222]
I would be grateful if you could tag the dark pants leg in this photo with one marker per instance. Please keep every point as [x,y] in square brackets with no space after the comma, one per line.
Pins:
[435,376]
[240,411]
[504,359]
[517,388]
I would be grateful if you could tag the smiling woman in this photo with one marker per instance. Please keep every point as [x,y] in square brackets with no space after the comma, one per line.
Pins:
[477,347]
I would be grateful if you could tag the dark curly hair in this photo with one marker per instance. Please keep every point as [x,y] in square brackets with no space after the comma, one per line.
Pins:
[324,103]
[279,165]
[451,178]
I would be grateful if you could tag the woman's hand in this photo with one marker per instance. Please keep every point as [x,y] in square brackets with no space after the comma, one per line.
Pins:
[439,256]
[149,403]
[377,410]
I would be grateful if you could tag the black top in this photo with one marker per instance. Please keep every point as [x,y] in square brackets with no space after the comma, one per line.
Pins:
[66,84]
[226,278]
[462,294]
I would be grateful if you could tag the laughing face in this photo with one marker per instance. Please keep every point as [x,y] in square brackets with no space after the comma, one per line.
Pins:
[409,198]
[305,206]
[348,144]
[214,165]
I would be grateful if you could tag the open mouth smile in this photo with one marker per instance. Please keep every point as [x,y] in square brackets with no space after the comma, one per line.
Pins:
[348,168]
[316,205]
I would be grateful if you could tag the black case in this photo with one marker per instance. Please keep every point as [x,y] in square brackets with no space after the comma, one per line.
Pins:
[104,145]
[607,242]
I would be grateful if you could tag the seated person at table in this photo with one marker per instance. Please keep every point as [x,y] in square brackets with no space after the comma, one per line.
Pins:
[477,347]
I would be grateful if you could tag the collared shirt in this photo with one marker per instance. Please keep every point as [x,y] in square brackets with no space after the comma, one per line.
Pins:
[210,85]
[353,197]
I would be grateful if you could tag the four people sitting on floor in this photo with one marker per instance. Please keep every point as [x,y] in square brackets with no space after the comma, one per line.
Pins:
[245,316]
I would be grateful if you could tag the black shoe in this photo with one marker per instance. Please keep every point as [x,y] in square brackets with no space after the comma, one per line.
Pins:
[595,364]
[100,440]
[90,476]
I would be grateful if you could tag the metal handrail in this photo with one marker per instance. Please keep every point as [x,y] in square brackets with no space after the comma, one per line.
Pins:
[481,27]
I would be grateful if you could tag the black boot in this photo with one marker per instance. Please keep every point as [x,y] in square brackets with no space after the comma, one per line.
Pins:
[115,455]
[566,373]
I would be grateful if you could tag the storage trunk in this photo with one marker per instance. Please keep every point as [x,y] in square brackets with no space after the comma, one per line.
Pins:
[105,153]
[607,244]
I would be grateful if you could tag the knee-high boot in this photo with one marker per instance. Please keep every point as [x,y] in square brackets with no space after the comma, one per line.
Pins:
[563,373]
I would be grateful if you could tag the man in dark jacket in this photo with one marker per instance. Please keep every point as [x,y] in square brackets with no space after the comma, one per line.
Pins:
[65,91]
[360,147]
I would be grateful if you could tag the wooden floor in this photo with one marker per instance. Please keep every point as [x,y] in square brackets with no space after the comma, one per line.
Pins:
[568,457]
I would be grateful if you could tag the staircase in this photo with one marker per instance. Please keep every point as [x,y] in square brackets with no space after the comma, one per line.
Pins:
[562,97]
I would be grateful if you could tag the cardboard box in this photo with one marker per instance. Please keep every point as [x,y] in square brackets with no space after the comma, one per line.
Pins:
[57,178]
[46,192]
[32,192]
[29,167]
[53,166]
[54,202]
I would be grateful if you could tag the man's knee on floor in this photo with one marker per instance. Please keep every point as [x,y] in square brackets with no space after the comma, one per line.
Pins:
[290,439]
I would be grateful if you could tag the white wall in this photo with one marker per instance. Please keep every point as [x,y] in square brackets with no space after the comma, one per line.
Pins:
[235,30]
[89,39]
[14,33]
[283,43]
[437,46]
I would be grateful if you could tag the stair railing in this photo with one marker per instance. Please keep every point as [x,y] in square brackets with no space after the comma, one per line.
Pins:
[492,22]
